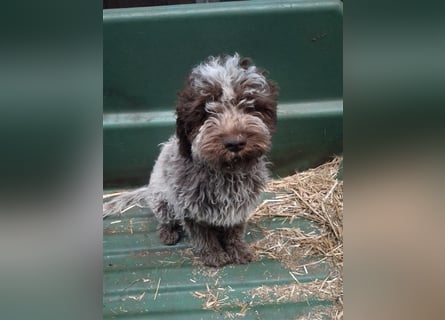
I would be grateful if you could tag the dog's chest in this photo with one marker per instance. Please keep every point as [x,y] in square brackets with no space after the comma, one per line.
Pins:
[221,198]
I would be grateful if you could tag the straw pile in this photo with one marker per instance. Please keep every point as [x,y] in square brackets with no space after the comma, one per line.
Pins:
[315,195]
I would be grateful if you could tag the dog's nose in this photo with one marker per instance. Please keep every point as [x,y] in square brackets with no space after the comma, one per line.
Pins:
[234,144]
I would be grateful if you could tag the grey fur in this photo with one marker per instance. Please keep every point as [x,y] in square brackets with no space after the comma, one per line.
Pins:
[194,190]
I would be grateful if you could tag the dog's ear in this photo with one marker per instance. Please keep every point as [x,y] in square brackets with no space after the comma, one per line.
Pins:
[190,115]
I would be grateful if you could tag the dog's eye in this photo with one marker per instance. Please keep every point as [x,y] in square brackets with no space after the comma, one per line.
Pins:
[250,108]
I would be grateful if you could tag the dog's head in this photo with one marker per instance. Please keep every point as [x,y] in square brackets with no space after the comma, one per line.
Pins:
[226,112]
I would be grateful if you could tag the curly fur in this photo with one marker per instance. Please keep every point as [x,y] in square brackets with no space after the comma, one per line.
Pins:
[208,177]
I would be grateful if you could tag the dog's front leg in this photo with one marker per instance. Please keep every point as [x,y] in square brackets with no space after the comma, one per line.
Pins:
[205,241]
[235,246]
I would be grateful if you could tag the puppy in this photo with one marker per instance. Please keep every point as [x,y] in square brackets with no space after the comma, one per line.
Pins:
[208,177]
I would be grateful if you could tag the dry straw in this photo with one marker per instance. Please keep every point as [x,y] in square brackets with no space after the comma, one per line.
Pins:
[315,195]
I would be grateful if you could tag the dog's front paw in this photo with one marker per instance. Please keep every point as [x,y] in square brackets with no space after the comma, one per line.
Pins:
[240,253]
[215,258]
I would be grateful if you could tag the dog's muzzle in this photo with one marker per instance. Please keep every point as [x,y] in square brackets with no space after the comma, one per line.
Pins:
[234,144]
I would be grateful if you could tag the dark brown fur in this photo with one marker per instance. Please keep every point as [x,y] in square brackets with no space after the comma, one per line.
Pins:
[218,246]
[190,115]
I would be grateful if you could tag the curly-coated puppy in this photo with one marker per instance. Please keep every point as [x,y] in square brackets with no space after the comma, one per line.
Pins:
[208,177]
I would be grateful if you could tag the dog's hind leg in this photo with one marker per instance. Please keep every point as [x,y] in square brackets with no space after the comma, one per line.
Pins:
[169,228]
[205,242]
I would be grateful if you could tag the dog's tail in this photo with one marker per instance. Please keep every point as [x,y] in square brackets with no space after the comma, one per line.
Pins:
[125,201]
